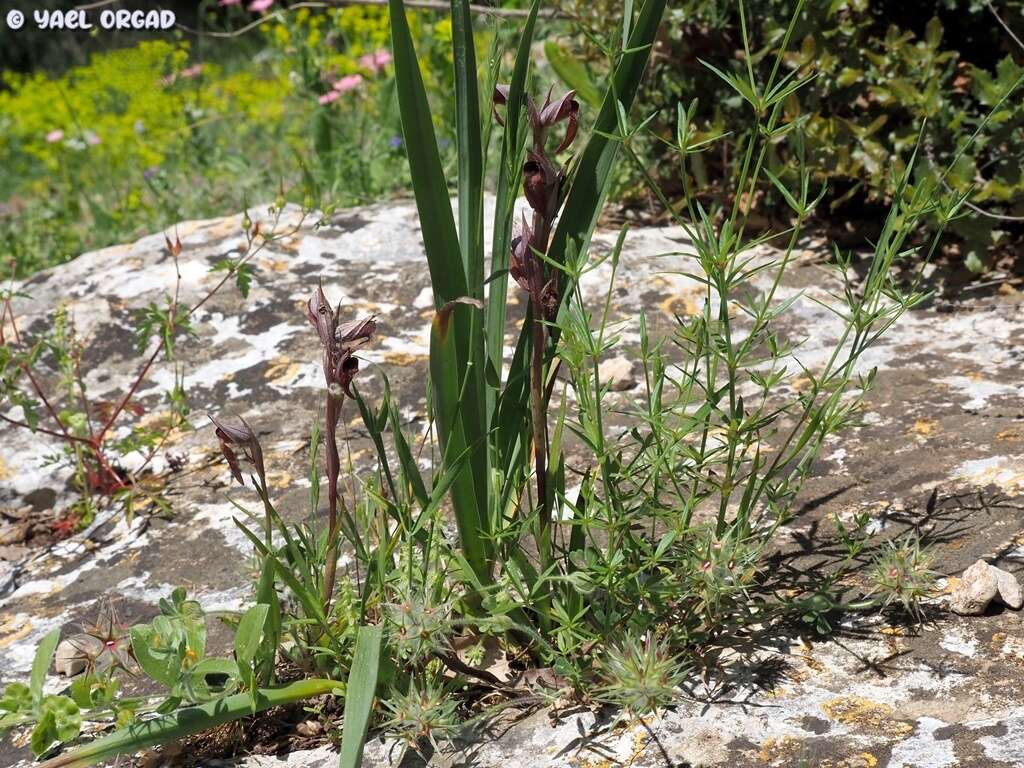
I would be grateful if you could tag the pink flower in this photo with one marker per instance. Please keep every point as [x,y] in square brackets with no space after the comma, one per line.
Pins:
[54,136]
[225,3]
[348,83]
[328,97]
[92,139]
[193,71]
[260,5]
[375,61]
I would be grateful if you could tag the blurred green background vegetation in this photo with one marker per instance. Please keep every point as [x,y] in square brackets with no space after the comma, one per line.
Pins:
[108,136]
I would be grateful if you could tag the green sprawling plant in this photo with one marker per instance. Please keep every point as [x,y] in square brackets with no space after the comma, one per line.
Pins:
[607,591]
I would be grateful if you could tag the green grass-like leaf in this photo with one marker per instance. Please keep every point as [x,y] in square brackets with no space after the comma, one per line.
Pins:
[187,721]
[359,692]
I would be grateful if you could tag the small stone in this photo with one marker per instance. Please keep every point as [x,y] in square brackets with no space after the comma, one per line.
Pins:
[617,373]
[68,660]
[975,591]
[309,728]
[1009,588]
[13,554]
[14,533]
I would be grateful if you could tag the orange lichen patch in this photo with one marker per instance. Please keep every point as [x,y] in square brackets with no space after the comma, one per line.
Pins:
[800,383]
[283,371]
[781,751]
[866,714]
[10,635]
[641,740]
[679,305]
[814,664]
[280,480]
[860,760]
[924,427]
[1012,435]
[5,471]
[1008,647]
[403,358]
[274,265]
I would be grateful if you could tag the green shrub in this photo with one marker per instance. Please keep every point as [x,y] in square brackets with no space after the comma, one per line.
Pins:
[882,70]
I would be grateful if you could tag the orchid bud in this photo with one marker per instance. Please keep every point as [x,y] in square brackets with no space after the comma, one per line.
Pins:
[519,259]
[173,248]
[357,331]
[499,98]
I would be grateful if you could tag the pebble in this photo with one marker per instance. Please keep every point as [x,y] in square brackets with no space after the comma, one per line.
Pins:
[982,583]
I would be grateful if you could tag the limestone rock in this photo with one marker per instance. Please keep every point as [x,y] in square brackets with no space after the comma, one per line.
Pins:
[975,591]
[617,373]
[1009,589]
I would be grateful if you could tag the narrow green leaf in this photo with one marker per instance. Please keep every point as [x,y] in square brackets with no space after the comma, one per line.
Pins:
[249,633]
[451,412]
[447,274]
[309,599]
[41,665]
[510,171]
[185,722]
[572,73]
[468,134]
[359,692]
[410,470]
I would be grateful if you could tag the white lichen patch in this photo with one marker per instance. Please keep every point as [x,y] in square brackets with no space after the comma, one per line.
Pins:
[1008,747]
[960,640]
[1004,472]
[923,749]
[978,391]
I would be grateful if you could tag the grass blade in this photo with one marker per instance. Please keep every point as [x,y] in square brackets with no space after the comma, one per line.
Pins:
[447,275]
[359,692]
[471,162]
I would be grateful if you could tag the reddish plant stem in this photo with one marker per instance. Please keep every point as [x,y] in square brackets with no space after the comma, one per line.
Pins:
[333,471]
[538,402]
[50,432]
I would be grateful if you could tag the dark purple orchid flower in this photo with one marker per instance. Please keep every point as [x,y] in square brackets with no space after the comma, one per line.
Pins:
[339,342]
[233,436]
[543,118]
